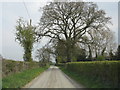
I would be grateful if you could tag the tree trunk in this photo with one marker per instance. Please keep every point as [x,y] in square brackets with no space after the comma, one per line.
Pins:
[68,55]
[90,52]
[102,53]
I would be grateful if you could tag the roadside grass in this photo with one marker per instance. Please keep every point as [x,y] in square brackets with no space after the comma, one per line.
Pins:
[19,80]
[87,82]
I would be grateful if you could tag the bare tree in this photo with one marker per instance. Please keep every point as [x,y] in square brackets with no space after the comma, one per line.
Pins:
[99,42]
[45,55]
[70,21]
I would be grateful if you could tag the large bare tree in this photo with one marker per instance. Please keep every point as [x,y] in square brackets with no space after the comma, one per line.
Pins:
[70,21]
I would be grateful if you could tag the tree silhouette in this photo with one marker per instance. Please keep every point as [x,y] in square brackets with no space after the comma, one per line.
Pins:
[70,21]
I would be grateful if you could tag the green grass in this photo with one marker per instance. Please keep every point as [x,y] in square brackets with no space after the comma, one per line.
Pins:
[87,82]
[18,80]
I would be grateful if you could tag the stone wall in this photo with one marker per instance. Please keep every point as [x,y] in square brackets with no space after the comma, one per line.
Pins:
[9,66]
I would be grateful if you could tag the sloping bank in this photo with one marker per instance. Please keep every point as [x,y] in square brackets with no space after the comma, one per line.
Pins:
[96,74]
[17,73]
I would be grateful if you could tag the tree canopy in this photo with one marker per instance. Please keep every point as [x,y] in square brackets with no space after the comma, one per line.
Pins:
[25,35]
[71,21]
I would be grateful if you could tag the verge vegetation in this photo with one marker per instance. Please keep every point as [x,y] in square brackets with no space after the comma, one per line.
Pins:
[18,80]
[96,74]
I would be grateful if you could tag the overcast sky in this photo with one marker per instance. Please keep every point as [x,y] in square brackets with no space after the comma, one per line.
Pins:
[11,11]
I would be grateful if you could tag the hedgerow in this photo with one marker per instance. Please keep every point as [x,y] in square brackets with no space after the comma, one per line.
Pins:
[107,72]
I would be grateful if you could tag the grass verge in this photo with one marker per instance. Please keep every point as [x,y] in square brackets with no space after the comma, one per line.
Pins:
[87,82]
[18,80]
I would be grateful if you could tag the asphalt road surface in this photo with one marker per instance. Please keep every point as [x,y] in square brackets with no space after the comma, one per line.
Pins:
[53,78]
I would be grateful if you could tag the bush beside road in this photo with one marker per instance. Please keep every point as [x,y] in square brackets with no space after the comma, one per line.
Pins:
[97,74]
